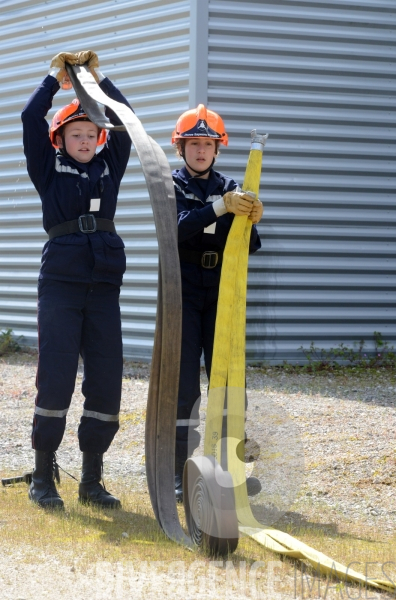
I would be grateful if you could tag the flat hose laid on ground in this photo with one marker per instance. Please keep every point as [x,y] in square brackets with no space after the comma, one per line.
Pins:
[221,492]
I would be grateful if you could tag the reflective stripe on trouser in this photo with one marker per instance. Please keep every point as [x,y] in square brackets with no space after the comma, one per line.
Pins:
[74,319]
[199,318]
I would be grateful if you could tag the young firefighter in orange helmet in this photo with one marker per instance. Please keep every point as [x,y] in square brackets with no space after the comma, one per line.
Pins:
[81,272]
[206,204]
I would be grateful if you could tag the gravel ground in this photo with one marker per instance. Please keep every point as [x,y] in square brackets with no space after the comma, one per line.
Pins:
[340,432]
[320,442]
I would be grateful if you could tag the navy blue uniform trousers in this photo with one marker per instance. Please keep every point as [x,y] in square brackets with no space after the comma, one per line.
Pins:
[78,319]
[199,321]
[199,318]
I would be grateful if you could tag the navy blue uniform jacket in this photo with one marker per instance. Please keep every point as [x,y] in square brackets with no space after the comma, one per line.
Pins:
[66,188]
[199,228]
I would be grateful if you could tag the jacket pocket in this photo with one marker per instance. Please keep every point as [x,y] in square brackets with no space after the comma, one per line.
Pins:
[112,239]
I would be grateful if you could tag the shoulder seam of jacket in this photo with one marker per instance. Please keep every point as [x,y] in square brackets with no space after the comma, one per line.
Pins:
[194,197]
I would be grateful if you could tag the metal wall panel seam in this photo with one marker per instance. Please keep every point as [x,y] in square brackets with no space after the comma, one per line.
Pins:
[198,84]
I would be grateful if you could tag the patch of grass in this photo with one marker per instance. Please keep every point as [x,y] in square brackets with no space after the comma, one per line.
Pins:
[134,418]
[83,536]
[81,531]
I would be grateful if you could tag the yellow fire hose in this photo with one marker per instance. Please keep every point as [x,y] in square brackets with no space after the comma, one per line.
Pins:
[228,380]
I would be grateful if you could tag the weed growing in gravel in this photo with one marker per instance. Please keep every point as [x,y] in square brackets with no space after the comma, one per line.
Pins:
[8,343]
[341,360]
[358,357]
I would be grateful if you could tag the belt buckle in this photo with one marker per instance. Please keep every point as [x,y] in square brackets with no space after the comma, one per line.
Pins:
[87,223]
[209,260]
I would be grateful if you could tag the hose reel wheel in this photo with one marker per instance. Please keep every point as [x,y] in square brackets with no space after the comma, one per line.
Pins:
[209,504]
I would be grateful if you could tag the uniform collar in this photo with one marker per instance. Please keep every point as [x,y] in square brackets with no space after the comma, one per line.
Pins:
[214,181]
[67,159]
[94,168]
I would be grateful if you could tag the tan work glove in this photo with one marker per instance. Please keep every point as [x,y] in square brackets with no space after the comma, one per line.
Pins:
[58,68]
[91,60]
[256,212]
[238,203]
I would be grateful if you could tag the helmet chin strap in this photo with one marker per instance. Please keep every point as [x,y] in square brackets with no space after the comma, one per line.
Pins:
[63,150]
[199,173]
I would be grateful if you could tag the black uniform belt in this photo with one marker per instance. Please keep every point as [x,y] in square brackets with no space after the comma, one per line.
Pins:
[85,223]
[207,260]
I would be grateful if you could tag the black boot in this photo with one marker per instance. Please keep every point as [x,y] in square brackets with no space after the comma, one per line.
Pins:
[90,490]
[179,468]
[42,490]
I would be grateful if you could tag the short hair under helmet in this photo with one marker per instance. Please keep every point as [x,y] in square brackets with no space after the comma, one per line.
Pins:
[71,112]
[200,123]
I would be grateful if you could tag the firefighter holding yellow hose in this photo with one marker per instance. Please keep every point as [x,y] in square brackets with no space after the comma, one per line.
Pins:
[207,202]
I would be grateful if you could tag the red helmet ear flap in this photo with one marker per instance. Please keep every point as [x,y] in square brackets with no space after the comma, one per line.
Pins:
[102,137]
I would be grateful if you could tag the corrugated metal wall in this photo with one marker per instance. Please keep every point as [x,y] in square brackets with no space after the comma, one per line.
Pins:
[318,76]
[143,46]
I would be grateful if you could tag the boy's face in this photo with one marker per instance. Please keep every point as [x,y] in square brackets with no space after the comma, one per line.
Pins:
[199,154]
[80,138]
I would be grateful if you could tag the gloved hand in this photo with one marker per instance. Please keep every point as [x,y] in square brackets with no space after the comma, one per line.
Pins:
[256,212]
[58,68]
[59,61]
[89,58]
[238,203]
